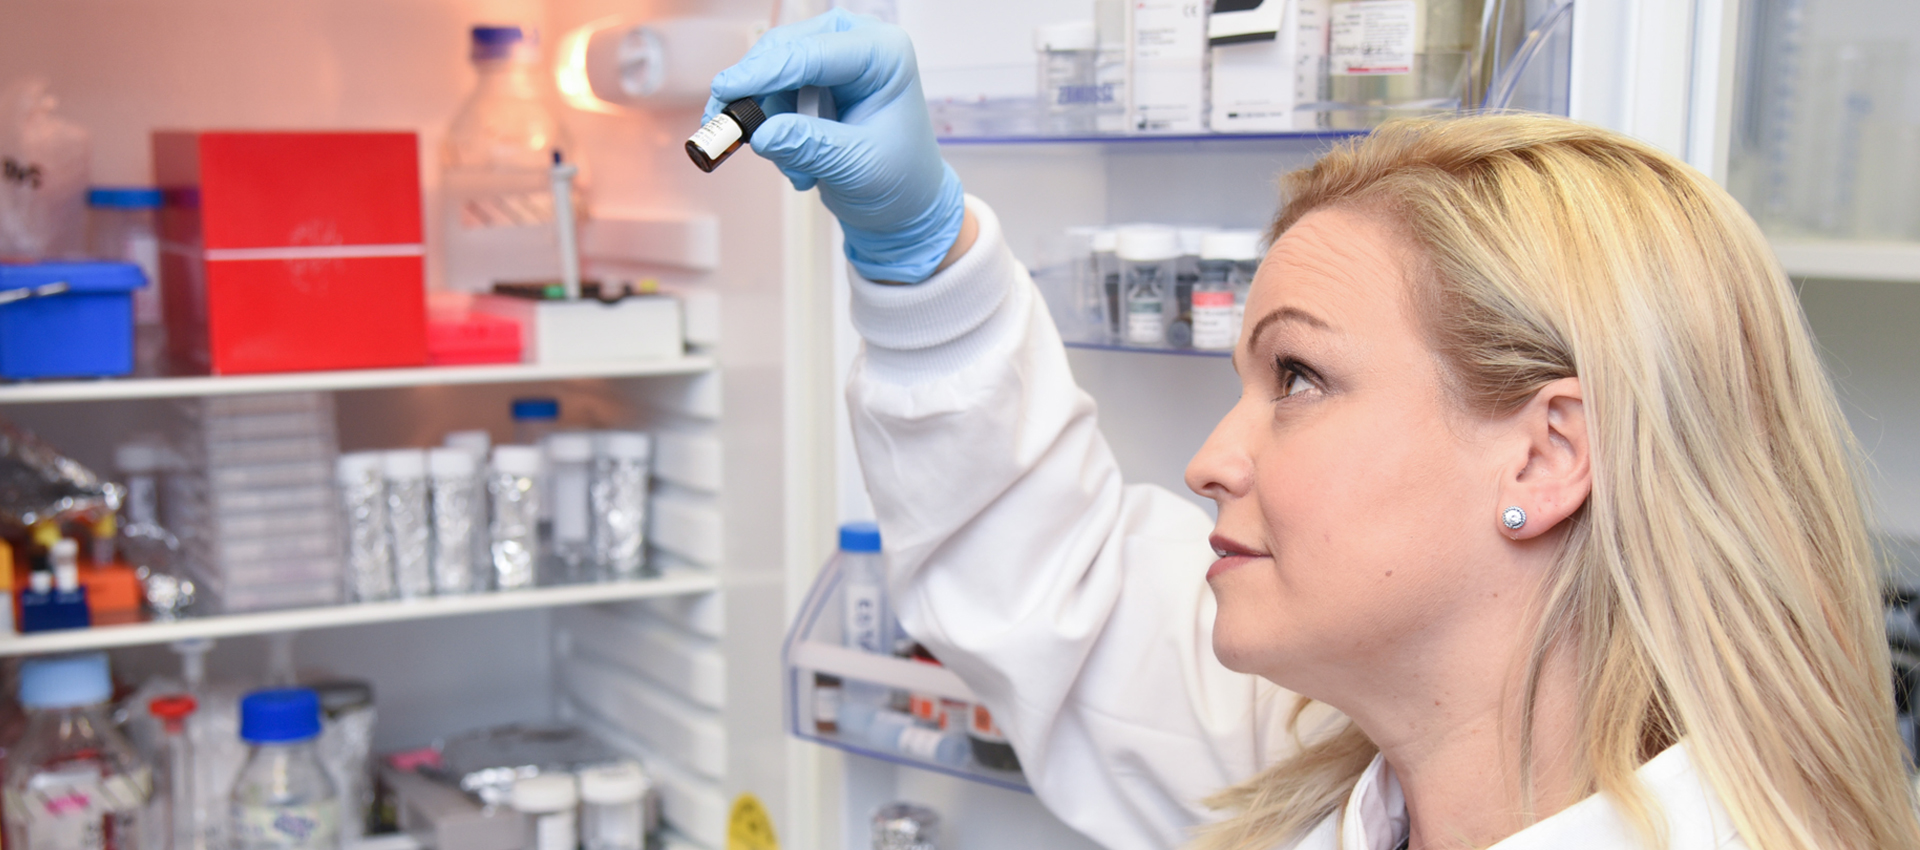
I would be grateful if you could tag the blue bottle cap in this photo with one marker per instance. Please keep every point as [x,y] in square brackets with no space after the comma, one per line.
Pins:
[279,716]
[495,42]
[536,408]
[66,681]
[860,537]
[124,197]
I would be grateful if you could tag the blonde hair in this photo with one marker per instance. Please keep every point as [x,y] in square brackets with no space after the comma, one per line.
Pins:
[1719,585]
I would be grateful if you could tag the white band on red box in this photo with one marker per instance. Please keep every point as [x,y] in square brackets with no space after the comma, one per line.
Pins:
[314,252]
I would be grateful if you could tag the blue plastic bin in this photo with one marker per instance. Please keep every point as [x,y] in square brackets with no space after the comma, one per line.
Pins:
[86,332]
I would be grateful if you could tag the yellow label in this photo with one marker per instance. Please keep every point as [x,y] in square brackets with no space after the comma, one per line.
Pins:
[749,827]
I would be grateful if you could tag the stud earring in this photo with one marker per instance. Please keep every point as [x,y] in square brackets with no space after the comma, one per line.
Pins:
[1513,518]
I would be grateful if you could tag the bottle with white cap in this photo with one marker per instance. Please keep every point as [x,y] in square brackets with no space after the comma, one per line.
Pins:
[549,801]
[513,490]
[569,471]
[1186,274]
[406,476]
[1068,97]
[72,778]
[1220,296]
[451,492]
[622,465]
[614,814]
[1147,267]
[363,501]
[1237,254]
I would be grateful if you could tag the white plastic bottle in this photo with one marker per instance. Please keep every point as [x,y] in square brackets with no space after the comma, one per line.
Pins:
[569,470]
[613,810]
[410,525]
[283,798]
[550,801]
[867,616]
[73,783]
[496,166]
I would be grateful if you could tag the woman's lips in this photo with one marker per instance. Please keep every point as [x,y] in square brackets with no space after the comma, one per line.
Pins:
[1231,554]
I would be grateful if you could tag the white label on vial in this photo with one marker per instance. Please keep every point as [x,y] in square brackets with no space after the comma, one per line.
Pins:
[1213,321]
[919,742]
[1146,324]
[863,624]
[718,135]
[288,827]
[826,704]
[1371,37]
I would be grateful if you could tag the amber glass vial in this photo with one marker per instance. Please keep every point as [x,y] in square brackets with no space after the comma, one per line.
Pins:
[719,138]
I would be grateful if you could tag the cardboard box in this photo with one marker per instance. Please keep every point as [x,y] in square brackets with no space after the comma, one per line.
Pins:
[1267,58]
[291,251]
[1167,55]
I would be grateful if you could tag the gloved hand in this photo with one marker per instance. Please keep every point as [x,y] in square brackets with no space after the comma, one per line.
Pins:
[878,167]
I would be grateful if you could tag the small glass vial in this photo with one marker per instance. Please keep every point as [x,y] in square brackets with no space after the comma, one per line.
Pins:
[548,800]
[1243,249]
[618,502]
[409,521]
[1147,261]
[1220,296]
[613,810]
[905,826]
[283,798]
[1068,97]
[719,138]
[363,504]
[569,471]
[452,491]
[513,482]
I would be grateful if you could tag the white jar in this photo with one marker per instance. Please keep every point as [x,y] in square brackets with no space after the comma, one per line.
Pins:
[613,811]
[549,801]
[1148,256]
[1068,96]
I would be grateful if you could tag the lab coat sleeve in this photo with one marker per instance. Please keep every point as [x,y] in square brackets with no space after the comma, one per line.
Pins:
[1076,607]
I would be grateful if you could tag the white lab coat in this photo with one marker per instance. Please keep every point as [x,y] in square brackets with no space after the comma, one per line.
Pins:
[1076,606]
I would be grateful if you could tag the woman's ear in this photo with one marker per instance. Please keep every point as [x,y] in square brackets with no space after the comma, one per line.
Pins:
[1557,476]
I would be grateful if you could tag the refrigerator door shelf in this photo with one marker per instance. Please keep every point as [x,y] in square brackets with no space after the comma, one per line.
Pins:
[813,650]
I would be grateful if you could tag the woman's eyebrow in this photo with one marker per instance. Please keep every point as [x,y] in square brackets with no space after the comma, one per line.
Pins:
[1283,314]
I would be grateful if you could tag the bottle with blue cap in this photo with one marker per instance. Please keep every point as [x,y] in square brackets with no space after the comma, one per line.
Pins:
[867,614]
[73,783]
[283,798]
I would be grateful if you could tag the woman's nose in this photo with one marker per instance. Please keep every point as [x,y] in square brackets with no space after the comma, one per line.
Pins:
[1223,468]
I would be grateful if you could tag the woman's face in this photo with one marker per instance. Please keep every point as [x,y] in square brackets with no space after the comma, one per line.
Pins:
[1358,505]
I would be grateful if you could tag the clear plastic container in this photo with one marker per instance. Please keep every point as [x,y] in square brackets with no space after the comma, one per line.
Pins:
[1148,258]
[613,810]
[550,802]
[369,555]
[513,483]
[1069,99]
[283,798]
[1388,58]
[569,472]
[497,200]
[121,226]
[866,612]
[73,782]
[622,462]
[453,491]
[410,523]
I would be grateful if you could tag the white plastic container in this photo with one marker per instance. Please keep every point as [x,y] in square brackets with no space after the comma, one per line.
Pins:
[641,327]
[622,464]
[569,473]
[613,811]
[411,524]
[1069,99]
[1148,255]
[513,487]
[549,800]
[453,492]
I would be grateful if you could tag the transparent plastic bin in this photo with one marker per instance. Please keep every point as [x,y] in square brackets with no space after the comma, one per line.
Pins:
[813,646]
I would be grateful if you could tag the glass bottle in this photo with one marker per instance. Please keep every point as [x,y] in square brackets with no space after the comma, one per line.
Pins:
[73,783]
[613,813]
[1147,259]
[283,798]
[177,808]
[496,161]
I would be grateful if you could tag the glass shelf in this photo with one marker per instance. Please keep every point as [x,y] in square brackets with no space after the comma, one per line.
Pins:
[1140,349]
[813,648]
[1148,138]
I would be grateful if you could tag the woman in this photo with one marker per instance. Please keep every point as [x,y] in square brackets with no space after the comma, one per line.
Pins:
[1537,523]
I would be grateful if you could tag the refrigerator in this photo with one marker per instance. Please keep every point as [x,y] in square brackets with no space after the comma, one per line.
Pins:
[695,672]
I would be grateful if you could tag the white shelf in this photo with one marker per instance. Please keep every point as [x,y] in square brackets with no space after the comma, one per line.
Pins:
[1897,262]
[334,616]
[108,389]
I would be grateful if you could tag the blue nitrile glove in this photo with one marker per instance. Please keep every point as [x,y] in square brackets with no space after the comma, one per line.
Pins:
[878,167]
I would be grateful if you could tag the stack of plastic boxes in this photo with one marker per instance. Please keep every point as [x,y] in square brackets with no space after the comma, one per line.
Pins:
[258,524]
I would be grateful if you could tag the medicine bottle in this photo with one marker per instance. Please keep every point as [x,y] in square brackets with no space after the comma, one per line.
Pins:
[613,811]
[1147,257]
[1068,97]
[410,524]
[1227,258]
[1412,54]
[569,470]
[548,800]
[719,138]
[1186,273]
[71,777]
[866,613]
[513,485]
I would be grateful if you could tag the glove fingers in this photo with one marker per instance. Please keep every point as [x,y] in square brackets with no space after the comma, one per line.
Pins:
[835,49]
[804,146]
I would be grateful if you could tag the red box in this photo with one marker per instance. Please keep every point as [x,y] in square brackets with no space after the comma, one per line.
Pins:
[288,252]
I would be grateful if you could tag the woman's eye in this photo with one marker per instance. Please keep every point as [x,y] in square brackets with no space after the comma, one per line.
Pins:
[1291,376]
[1294,383]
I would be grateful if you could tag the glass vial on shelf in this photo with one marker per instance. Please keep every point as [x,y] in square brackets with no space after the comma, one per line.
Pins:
[1069,99]
[496,168]
[569,472]
[283,798]
[407,517]
[548,800]
[176,808]
[363,501]
[452,493]
[613,807]
[905,826]
[622,464]
[1399,55]
[513,487]
[1228,259]
[1147,269]
[73,782]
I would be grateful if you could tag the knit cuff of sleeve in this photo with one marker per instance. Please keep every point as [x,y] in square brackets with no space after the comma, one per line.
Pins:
[940,324]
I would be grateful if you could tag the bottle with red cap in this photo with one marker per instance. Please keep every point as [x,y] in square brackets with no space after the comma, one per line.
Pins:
[174,801]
